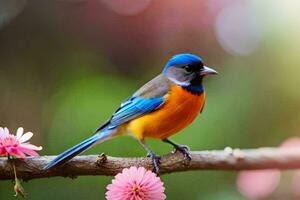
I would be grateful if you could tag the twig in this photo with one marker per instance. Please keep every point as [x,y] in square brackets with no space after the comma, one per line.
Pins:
[228,159]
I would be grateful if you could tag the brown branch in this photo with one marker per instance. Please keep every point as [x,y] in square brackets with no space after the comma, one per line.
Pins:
[228,159]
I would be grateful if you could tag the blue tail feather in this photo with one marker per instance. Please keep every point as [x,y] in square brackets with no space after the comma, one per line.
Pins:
[79,148]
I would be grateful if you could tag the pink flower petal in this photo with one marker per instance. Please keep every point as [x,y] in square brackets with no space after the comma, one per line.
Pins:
[15,152]
[25,137]
[291,142]
[31,146]
[258,184]
[1,132]
[2,151]
[20,132]
[6,131]
[20,154]
[28,151]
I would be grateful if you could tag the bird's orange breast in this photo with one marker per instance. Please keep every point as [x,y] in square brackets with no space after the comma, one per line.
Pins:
[178,111]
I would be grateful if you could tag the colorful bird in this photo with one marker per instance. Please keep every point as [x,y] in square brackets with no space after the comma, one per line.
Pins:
[162,107]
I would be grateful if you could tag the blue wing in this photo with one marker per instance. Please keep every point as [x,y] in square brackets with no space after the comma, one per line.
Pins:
[147,99]
[133,108]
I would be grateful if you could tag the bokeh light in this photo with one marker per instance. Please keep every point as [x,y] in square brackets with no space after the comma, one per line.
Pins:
[237,28]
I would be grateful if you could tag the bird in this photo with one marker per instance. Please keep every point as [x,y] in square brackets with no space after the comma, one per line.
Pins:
[159,109]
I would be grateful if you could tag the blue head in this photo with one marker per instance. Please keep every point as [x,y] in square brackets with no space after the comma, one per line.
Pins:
[184,58]
[186,70]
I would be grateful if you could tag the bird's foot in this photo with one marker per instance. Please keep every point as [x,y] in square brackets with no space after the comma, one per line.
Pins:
[155,162]
[184,150]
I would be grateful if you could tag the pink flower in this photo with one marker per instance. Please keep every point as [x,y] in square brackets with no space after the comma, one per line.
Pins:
[136,184]
[258,184]
[17,145]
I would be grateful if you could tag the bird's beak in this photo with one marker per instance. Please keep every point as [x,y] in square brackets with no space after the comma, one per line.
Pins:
[208,71]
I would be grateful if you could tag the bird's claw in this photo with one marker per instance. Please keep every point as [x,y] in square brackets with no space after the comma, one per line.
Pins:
[155,162]
[184,150]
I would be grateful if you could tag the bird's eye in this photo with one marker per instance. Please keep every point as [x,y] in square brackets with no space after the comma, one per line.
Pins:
[188,68]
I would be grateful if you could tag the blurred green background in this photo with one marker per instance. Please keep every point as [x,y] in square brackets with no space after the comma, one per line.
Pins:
[66,65]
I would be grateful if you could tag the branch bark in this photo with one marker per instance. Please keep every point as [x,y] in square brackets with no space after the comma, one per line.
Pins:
[228,159]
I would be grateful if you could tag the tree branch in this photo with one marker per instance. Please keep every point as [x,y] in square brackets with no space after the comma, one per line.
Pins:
[228,159]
